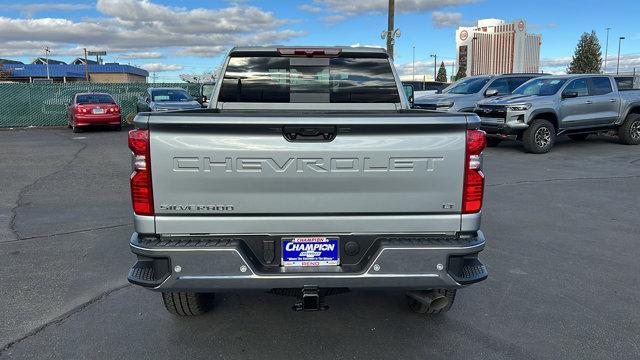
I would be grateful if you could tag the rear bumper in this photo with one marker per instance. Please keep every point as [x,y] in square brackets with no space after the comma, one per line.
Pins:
[215,263]
[104,119]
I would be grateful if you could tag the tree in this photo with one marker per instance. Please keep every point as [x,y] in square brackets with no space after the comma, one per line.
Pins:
[460,75]
[587,58]
[5,73]
[442,73]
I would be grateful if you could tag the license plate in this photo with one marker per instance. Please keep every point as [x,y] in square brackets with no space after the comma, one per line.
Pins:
[310,251]
[98,111]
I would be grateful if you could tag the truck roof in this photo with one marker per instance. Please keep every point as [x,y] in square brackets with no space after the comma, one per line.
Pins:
[346,49]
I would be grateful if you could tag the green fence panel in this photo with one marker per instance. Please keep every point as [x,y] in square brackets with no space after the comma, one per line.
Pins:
[43,104]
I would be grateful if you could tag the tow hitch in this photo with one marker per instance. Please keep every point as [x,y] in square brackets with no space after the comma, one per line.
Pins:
[310,299]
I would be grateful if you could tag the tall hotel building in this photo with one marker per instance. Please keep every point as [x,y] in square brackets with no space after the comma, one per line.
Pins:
[497,47]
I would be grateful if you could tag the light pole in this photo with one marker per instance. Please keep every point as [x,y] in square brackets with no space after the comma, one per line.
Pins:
[619,44]
[46,58]
[435,60]
[413,66]
[606,51]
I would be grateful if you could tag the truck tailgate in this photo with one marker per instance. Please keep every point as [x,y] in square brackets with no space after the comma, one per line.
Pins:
[215,165]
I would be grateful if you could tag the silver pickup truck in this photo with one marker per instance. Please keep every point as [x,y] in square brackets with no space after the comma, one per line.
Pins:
[308,174]
[575,105]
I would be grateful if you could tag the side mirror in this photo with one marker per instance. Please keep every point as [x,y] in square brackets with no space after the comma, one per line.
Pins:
[569,94]
[491,92]
[408,91]
[147,100]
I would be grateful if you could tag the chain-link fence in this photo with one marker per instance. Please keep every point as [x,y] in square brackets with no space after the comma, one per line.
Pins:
[44,104]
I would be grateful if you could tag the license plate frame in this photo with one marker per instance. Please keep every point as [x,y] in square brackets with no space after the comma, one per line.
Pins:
[310,251]
[97,111]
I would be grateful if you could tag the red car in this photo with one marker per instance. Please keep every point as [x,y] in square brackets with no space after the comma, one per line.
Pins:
[86,109]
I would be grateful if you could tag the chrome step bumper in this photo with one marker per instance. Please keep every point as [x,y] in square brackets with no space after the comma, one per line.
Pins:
[205,265]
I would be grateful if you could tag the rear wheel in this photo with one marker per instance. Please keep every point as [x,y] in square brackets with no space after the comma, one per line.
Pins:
[629,131]
[436,301]
[187,304]
[75,128]
[578,137]
[117,127]
[540,137]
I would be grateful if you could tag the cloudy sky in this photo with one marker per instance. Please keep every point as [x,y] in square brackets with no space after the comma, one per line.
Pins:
[175,37]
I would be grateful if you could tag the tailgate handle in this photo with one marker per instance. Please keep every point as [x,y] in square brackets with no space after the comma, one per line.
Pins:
[309,133]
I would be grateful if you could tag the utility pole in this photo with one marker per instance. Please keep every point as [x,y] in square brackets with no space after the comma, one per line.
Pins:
[413,66]
[390,34]
[619,44]
[46,58]
[86,66]
[606,51]
[435,69]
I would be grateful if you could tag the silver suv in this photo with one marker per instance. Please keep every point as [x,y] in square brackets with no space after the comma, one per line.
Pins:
[576,105]
[465,93]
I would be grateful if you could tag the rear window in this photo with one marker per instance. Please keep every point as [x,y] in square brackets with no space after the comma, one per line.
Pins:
[601,85]
[94,99]
[278,79]
[170,95]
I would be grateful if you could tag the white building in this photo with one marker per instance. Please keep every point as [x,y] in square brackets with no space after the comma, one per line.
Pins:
[495,46]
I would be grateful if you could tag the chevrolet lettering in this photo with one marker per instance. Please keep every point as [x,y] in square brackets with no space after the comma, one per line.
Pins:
[319,165]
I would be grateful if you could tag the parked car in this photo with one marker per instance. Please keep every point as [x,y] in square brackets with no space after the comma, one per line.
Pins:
[576,105]
[166,99]
[307,187]
[88,109]
[422,88]
[463,94]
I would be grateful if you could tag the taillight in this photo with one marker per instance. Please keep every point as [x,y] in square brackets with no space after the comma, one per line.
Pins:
[81,110]
[141,191]
[113,110]
[473,190]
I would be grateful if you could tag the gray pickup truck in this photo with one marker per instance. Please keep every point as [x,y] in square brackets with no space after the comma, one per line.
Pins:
[308,174]
[464,94]
[575,105]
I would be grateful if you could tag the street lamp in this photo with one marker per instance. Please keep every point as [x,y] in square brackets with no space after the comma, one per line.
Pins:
[413,66]
[619,44]
[435,60]
[606,51]
[46,58]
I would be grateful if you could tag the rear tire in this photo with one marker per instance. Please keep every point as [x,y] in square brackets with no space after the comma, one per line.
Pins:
[187,304]
[437,306]
[578,137]
[75,128]
[629,131]
[540,137]
[493,141]
[117,128]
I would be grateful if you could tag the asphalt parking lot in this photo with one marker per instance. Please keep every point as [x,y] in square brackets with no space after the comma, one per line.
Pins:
[563,248]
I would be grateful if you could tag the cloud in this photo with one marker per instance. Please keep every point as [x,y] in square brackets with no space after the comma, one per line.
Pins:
[158,67]
[441,19]
[333,19]
[309,8]
[423,67]
[627,63]
[352,8]
[139,55]
[137,26]
[28,10]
